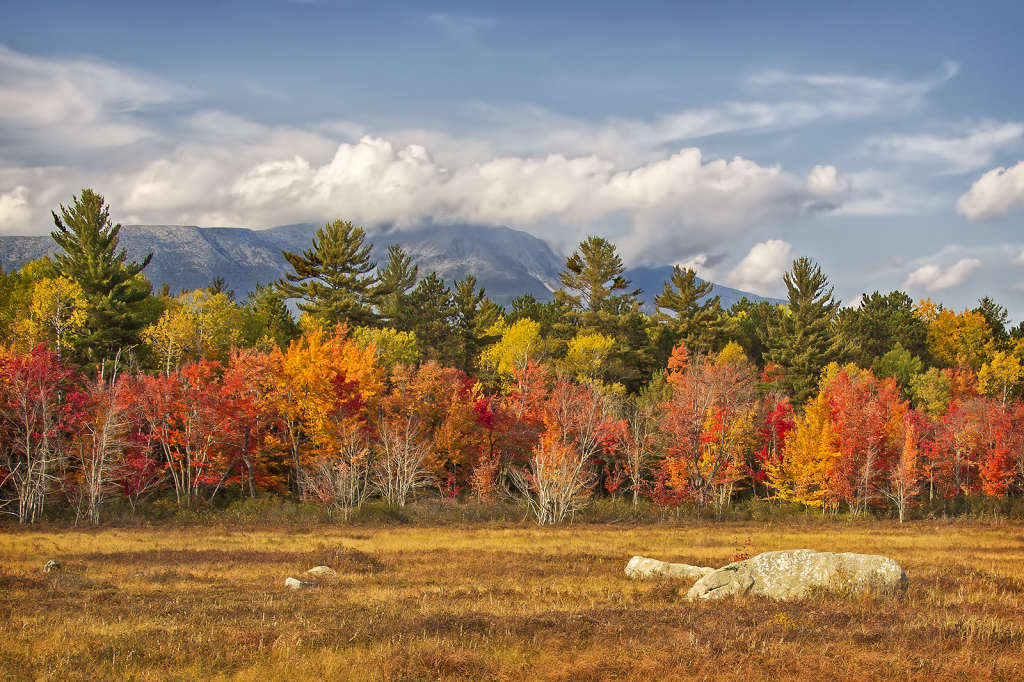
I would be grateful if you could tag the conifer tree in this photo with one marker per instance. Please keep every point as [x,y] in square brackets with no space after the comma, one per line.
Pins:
[396,279]
[695,324]
[114,288]
[801,342]
[878,324]
[333,279]
[592,280]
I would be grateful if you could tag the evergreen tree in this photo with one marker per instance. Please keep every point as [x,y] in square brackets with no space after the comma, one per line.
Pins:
[695,324]
[474,315]
[747,323]
[396,279]
[801,342]
[996,316]
[592,282]
[878,324]
[333,279]
[430,313]
[115,289]
[265,316]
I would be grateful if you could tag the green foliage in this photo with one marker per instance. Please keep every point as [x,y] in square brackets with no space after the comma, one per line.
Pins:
[430,313]
[996,316]
[901,365]
[396,279]
[266,319]
[694,323]
[113,287]
[392,346]
[333,279]
[801,343]
[880,323]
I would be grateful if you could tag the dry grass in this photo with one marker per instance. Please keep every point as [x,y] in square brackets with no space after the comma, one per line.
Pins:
[483,603]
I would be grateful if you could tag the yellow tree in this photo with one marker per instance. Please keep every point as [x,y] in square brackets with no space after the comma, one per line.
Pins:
[1000,375]
[812,450]
[956,339]
[587,356]
[519,345]
[197,324]
[56,313]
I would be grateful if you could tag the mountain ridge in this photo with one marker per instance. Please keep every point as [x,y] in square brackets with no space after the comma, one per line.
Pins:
[506,262]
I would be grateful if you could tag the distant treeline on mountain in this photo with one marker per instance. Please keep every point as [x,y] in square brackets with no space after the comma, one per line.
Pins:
[507,263]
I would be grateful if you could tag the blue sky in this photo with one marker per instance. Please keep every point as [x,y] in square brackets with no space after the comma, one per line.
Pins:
[729,136]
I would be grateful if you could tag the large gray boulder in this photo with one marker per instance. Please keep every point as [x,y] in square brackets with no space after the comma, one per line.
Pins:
[641,567]
[791,574]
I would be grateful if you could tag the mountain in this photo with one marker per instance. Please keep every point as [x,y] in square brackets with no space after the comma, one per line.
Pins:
[506,262]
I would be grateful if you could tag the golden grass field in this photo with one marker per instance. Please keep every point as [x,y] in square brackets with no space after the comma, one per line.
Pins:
[485,603]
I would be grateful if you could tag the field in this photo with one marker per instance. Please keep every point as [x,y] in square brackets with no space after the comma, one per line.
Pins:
[487,603]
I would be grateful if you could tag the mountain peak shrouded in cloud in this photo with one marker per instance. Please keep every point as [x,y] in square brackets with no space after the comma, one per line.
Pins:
[676,131]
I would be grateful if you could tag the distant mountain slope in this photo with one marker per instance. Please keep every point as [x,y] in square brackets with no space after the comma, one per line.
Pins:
[506,262]
[652,281]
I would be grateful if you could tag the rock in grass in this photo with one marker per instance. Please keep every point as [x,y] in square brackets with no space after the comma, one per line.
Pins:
[321,572]
[642,567]
[295,584]
[792,574]
[51,565]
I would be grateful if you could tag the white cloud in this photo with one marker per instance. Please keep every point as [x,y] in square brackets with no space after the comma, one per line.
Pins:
[994,194]
[14,209]
[934,278]
[64,106]
[1019,260]
[762,268]
[954,154]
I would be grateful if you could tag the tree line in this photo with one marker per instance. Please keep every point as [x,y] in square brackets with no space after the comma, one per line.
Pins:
[394,385]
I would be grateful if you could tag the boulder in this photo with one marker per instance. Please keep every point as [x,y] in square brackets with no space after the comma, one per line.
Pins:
[295,584]
[792,574]
[51,565]
[642,567]
[321,572]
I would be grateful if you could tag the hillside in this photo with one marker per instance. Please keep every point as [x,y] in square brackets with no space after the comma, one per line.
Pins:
[506,262]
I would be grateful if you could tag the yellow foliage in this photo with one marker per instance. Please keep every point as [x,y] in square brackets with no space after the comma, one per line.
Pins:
[56,313]
[999,376]
[197,324]
[732,353]
[519,344]
[811,451]
[391,346]
[587,355]
[954,339]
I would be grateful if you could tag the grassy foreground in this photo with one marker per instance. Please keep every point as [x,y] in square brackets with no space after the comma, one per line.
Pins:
[480,603]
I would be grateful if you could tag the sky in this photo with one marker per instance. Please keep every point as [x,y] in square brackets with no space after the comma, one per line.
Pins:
[884,140]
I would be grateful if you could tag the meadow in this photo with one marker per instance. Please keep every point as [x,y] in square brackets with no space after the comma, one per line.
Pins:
[497,602]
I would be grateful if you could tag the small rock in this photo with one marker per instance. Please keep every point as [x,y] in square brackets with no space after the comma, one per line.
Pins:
[321,572]
[51,565]
[294,584]
[642,567]
[792,574]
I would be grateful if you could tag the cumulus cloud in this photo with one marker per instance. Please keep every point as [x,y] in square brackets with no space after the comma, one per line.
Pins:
[762,268]
[14,209]
[953,154]
[932,277]
[994,194]
[216,169]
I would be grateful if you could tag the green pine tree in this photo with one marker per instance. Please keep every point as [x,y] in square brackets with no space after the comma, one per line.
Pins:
[594,291]
[802,342]
[396,279]
[695,324]
[115,289]
[878,324]
[430,313]
[335,280]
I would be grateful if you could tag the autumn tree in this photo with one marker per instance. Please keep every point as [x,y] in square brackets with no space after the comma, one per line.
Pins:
[40,403]
[113,287]
[709,424]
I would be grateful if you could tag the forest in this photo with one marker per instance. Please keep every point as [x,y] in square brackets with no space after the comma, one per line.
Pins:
[393,385]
